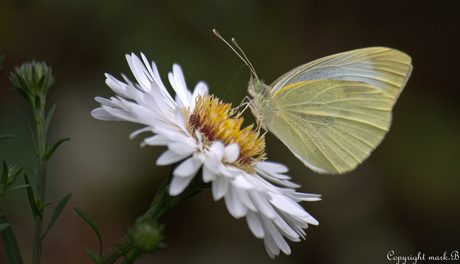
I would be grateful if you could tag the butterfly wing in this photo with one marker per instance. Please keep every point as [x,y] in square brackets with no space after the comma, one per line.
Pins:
[383,68]
[331,125]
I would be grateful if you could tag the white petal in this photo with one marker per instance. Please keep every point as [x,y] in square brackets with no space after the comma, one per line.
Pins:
[101,114]
[160,103]
[209,175]
[119,114]
[276,236]
[234,205]
[272,166]
[169,157]
[157,140]
[139,131]
[185,147]
[255,225]
[188,168]
[286,229]
[138,69]
[219,188]
[177,80]
[310,197]
[244,198]
[231,153]
[243,183]
[285,204]
[262,205]
[200,89]
[105,101]
[117,86]
[178,185]
[180,119]
[272,249]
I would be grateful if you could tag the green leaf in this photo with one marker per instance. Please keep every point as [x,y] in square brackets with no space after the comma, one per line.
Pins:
[95,257]
[22,186]
[56,213]
[32,201]
[11,245]
[14,172]
[5,136]
[51,150]
[33,139]
[93,225]
[49,115]
[3,226]
[43,205]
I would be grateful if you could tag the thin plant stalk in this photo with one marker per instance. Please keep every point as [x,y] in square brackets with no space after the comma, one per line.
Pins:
[41,179]
[32,81]
[160,205]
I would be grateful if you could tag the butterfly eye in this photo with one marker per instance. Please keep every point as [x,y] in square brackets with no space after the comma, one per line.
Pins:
[258,87]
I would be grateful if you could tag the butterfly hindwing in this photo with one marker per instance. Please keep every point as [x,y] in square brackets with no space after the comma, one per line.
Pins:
[331,125]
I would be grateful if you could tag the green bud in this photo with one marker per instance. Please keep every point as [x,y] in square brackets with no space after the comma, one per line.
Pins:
[32,81]
[146,236]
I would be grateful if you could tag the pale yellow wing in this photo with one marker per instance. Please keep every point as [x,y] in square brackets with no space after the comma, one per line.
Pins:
[386,69]
[331,125]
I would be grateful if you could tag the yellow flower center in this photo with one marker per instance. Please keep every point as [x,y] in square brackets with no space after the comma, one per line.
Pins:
[216,121]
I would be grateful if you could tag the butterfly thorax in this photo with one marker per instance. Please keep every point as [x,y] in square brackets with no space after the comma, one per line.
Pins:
[262,104]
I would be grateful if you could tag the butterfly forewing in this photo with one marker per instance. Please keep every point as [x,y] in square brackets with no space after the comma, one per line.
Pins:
[386,69]
[330,125]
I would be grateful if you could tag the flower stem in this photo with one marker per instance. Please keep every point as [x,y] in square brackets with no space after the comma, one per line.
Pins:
[32,81]
[41,179]
[160,205]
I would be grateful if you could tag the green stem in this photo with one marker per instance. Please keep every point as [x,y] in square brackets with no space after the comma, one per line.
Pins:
[41,180]
[131,257]
[160,205]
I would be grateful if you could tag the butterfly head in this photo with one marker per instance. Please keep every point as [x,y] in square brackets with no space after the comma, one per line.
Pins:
[256,87]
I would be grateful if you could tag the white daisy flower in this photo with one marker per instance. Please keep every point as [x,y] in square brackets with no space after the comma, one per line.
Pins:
[201,132]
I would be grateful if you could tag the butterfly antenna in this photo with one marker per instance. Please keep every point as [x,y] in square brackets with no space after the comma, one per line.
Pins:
[248,62]
[244,59]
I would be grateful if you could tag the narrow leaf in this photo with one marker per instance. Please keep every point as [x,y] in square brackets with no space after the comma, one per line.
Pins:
[11,245]
[92,224]
[3,226]
[95,257]
[33,139]
[49,115]
[5,136]
[51,150]
[41,206]
[18,187]
[32,201]
[56,213]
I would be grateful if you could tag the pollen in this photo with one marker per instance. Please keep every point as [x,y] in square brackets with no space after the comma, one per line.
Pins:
[218,121]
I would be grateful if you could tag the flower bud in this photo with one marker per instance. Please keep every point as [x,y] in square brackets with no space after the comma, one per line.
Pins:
[146,236]
[32,81]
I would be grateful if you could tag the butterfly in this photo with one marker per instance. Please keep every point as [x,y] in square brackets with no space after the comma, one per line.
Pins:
[334,111]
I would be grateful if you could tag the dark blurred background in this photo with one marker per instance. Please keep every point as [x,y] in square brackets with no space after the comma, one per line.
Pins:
[404,198]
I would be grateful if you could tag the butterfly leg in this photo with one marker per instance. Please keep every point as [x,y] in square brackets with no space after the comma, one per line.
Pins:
[243,103]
